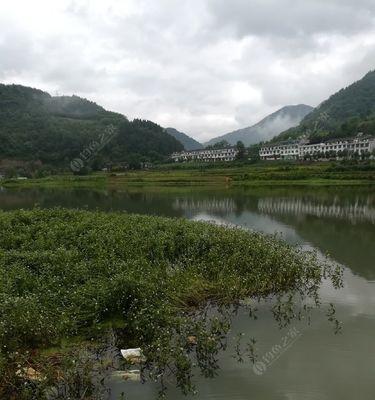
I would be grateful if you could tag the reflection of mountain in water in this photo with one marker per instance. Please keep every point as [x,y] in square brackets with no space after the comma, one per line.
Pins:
[340,224]
[350,245]
[353,212]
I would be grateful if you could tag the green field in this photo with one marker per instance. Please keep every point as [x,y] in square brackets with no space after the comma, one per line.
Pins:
[229,175]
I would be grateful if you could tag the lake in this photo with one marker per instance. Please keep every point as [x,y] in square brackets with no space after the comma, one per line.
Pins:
[313,363]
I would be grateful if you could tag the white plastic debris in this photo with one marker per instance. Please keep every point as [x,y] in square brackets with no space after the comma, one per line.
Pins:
[132,355]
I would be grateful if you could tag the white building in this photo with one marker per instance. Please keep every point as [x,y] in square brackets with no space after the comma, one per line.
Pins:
[206,155]
[302,150]
[280,151]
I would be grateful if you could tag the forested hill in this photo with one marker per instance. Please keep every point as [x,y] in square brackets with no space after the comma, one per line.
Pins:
[188,142]
[35,126]
[347,112]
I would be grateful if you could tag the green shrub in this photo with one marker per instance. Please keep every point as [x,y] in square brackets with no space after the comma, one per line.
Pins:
[65,272]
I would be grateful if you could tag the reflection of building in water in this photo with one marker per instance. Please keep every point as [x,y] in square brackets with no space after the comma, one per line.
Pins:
[208,205]
[353,212]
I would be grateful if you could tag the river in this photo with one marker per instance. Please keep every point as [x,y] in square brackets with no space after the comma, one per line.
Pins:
[314,364]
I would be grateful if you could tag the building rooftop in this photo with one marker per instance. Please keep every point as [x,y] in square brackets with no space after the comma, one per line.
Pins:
[283,143]
[204,150]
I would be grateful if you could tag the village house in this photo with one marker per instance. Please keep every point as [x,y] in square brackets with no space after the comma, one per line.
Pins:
[206,155]
[294,150]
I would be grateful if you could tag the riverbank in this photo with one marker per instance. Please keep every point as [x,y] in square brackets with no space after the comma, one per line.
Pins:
[78,274]
[268,174]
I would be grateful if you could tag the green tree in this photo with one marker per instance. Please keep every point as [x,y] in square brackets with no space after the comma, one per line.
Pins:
[241,150]
[253,152]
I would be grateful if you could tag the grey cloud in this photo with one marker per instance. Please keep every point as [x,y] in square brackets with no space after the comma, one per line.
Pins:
[189,64]
[292,18]
[16,52]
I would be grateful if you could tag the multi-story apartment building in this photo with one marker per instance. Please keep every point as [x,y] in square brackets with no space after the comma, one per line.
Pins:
[335,147]
[280,151]
[206,155]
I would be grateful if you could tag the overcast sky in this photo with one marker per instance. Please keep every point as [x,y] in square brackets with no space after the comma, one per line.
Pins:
[205,67]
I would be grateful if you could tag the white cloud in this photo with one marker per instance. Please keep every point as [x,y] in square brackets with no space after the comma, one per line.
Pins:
[205,67]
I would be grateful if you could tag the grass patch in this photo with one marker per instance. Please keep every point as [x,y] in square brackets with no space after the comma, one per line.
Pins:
[64,180]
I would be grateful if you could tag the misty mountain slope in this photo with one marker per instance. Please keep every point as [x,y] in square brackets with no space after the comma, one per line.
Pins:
[54,130]
[345,113]
[268,127]
[188,142]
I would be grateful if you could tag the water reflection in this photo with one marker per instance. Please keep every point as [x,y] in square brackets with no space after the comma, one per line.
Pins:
[360,210]
[209,205]
[337,221]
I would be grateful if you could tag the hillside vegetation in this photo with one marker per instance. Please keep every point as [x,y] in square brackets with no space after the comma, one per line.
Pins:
[347,112]
[35,126]
[188,142]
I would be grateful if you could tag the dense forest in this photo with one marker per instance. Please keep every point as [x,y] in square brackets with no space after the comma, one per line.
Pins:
[36,127]
[347,112]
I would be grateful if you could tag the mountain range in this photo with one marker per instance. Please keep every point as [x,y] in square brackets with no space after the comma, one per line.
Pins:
[268,127]
[344,114]
[35,126]
[188,142]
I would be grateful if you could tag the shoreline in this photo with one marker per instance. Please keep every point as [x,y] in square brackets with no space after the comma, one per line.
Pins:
[224,182]
[251,175]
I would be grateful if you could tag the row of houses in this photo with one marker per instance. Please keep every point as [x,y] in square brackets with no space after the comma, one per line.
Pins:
[206,155]
[291,150]
[294,150]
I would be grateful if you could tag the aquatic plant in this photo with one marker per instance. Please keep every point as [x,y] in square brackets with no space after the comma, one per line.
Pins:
[152,282]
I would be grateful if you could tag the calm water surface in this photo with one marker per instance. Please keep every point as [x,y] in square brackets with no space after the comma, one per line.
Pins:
[335,221]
